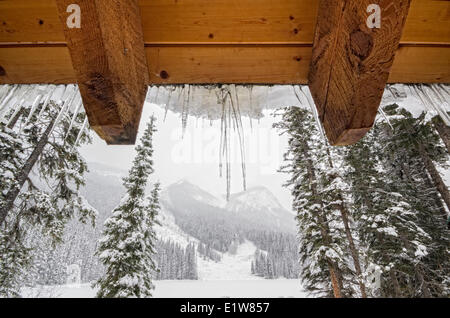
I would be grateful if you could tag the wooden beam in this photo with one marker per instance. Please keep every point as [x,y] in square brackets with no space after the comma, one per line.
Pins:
[351,62]
[217,21]
[108,58]
[218,64]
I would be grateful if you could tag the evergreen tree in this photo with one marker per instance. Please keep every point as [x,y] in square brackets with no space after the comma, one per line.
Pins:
[323,260]
[43,138]
[386,222]
[412,148]
[127,246]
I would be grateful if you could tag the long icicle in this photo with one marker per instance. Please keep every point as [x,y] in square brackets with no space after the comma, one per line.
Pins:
[171,90]
[64,109]
[74,117]
[45,104]
[21,101]
[32,111]
[229,154]
[445,117]
[222,132]
[240,131]
[34,107]
[8,97]
[80,133]
[16,112]
[428,104]
[381,111]
[185,109]
[437,93]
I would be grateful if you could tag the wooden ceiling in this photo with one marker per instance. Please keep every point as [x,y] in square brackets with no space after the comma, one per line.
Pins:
[217,41]
[124,45]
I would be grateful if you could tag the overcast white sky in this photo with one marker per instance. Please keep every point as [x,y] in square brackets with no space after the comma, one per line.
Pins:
[196,156]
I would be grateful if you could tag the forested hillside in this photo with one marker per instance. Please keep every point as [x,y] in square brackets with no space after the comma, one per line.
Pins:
[254,215]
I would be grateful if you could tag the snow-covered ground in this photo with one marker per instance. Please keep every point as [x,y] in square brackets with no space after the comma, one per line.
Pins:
[231,267]
[282,288]
[231,277]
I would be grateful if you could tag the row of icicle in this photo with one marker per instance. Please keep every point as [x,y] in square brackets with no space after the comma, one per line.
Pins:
[14,98]
[227,103]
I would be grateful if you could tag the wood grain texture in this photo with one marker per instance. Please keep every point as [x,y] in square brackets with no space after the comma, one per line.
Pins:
[228,64]
[219,64]
[110,66]
[420,65]
[217,21]
[350,64]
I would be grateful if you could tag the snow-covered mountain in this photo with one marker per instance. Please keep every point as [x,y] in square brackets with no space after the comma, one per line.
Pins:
[260,204]
[233,230]
[183,193]
[257,207]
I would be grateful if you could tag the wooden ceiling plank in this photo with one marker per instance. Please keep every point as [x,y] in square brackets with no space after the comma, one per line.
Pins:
[228,64]
[108,58]
[217,21]
[351,62]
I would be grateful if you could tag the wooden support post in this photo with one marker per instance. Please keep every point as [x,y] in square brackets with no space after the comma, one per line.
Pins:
[354,49]
[106,45]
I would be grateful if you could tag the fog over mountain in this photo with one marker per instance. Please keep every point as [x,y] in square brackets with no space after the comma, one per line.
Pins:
[251,220]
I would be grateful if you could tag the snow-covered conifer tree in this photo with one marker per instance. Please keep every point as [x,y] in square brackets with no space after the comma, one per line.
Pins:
[324,264]
[42,138]
[128,243]
[412,149]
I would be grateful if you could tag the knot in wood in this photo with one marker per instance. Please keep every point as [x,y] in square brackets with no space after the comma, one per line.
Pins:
[361,44]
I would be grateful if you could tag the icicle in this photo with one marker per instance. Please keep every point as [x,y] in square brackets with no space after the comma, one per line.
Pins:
[17,110]
[45,104]
[23,91]
[438,108]
[4,92]
[266,97]
[171,90]
[157,94]
[443,88]
[428,103]
[80,133]
[240,131]
[225,139]
[314,111]
[437,93]
[185,111]
[312,107]
[64,109]
[220,144]
[381,111]
[8,97]
[33,110]
[74,117]
[397,94]
[228,152]
[250,100]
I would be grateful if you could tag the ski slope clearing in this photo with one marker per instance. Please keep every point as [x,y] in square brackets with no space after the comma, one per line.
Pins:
[232,266]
